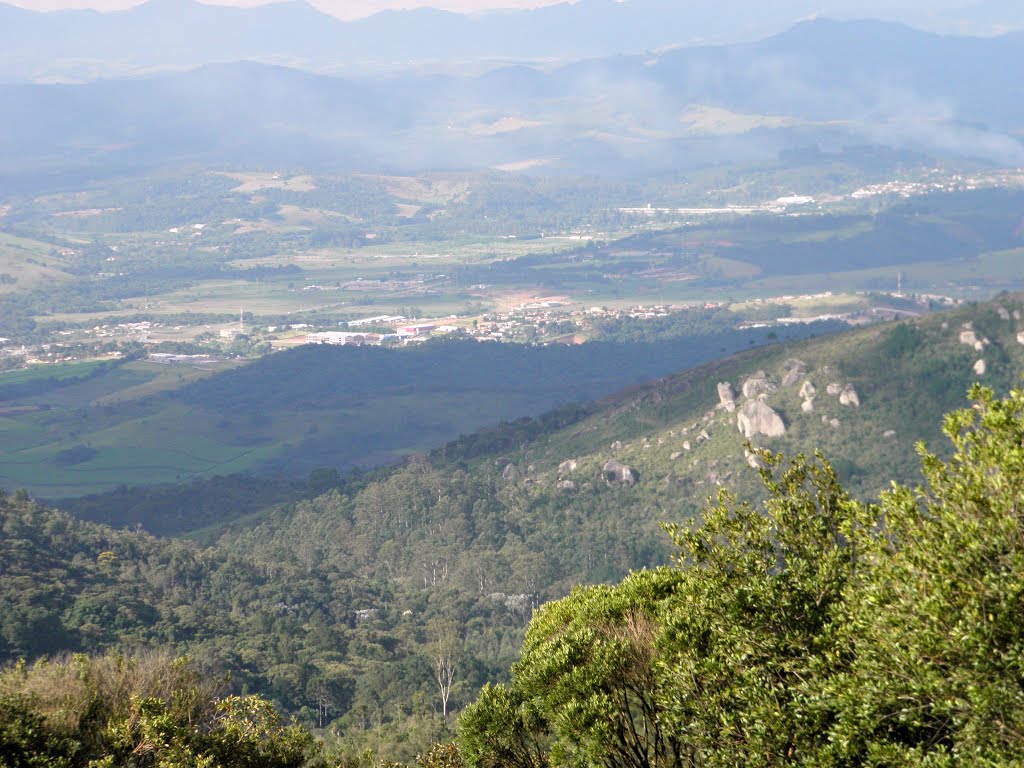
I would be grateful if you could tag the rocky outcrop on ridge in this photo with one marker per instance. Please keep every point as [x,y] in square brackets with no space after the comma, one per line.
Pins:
[757,385]
[971,338]
[726,397]
[617,473]
[807,392]
[849,396]
[756,417]
[793,371]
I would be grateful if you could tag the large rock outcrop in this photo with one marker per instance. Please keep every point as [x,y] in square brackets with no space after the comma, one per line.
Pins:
[756,417]
[756,385]
[726,397]
[792,371]
[617,473]
[849,396]
[971,338]
[807,392]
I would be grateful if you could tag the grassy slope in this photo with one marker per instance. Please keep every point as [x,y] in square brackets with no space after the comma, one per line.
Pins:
[28,264]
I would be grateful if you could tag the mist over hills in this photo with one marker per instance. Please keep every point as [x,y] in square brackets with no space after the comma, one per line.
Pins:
[83,44]
[824,83]
[180,34]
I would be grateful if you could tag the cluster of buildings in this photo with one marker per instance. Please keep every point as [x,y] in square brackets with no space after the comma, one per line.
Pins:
[402,334]
[942,183]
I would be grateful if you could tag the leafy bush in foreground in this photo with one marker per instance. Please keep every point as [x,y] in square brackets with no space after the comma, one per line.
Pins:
[813,630]
[151,710]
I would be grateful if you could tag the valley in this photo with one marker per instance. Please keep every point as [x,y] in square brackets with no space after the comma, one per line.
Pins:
[584,385]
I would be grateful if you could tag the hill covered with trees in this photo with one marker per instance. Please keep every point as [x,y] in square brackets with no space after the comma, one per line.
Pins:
[376,611]
[812,629]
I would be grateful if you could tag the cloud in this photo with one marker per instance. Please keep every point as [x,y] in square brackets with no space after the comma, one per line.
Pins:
[343,9]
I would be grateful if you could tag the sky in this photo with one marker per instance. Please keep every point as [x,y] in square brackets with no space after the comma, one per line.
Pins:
[957,16]
[345,9]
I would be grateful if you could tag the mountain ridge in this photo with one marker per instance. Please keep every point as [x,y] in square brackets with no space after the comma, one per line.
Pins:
[918,92]
[182,33]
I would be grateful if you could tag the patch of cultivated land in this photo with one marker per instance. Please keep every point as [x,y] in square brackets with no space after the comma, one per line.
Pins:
[254,182]
[717,121]
[26,264]
[427,190]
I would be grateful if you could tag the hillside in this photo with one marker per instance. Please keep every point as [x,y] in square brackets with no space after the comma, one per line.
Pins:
[296,411]
[684,442]
[349,593]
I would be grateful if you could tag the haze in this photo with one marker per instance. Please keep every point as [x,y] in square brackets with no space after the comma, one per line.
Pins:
[962,16]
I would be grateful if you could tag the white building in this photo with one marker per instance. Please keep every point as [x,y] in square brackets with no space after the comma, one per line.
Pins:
[342,338]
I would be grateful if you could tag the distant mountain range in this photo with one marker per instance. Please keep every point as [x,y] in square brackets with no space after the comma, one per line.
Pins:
[821,83]
[78,45]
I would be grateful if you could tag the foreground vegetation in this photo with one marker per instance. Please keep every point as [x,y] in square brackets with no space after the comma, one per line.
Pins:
[812,629]
[150,710]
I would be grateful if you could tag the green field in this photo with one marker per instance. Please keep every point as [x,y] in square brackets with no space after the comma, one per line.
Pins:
[59,372]
[27,264]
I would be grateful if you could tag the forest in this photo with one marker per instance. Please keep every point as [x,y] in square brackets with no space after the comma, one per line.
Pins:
[808,629]
[374,607]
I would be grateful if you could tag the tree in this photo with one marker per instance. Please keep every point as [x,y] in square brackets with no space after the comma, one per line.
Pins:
[589,661]
[698,664]
[752,633]
[445,650]
[502,729]
[151,710]
[935,634]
